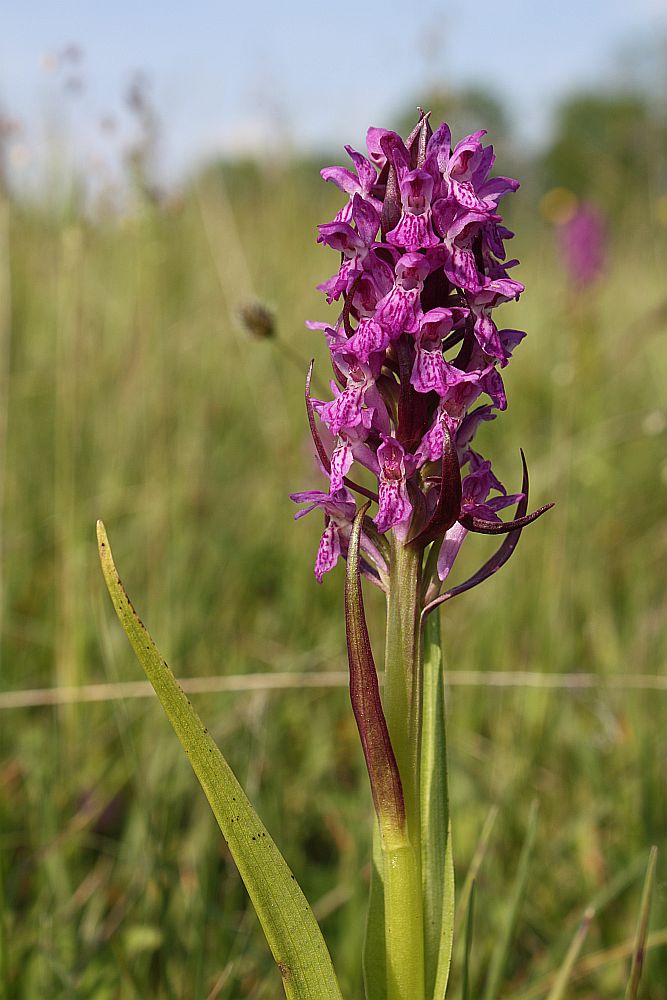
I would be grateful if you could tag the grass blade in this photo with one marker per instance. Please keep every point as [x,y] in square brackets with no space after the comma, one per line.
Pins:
[602,899]
[639,949]
[291,930]
[598,961]
[562,979]
[465,987]
[475,865]
[501,951]
[436,842]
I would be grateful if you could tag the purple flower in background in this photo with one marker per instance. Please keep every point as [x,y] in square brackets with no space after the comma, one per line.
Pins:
[422,271]
[582,242]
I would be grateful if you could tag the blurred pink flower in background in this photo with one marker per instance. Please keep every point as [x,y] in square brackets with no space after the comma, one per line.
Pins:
[582,242]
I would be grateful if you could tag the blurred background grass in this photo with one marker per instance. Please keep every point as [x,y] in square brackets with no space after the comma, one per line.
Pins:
[129,390]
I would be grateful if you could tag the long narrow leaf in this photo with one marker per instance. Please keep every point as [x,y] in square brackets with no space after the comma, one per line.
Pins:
[403,932]
[501,952]
[571,956]
[436,842]
[291,930]
[465,987]
[473,870]
[374,957]
[639,949]
[603,898]
[597,961]
[383,774]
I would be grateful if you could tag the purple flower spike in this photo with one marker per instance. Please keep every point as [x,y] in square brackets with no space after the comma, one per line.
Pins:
[416,350]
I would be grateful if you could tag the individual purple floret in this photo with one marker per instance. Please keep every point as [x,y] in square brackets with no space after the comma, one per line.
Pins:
[416,351]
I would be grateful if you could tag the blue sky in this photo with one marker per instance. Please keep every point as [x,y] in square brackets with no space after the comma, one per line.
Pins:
[235,75]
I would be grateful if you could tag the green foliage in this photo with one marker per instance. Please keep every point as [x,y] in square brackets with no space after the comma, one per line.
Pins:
[287,921]
[501,951]
[437,859]
[641,935]
[132,394]
[609,148]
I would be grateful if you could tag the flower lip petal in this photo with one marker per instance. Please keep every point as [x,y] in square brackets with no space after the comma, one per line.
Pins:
[328,551]
[366,219]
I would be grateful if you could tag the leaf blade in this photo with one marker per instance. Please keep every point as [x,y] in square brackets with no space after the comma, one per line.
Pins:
[437,861]
[470,920]
[501,952]
[374,960]
[639,949]
[565,972]
[291,930]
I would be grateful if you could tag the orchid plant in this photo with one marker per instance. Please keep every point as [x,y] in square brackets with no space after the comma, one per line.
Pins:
[417,357]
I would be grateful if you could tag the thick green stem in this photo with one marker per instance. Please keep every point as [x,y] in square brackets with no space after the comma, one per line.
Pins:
[404,941]
[402,677]
[403,907]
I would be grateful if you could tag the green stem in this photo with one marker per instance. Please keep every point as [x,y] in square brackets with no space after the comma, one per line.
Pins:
[404,942]
[403,907]
[403,675]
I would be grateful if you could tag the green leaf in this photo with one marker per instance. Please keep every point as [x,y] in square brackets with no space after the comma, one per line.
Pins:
[291,930]
[436,840]
[502,949]
[401,886]
[563,978]
[474,869]
[465,986]
[639,949]
[385,780]
[374,958]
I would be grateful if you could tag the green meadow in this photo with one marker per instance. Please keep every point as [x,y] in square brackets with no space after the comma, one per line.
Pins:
[130,391]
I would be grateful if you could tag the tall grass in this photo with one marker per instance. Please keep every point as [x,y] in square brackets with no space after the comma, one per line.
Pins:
[129,391]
